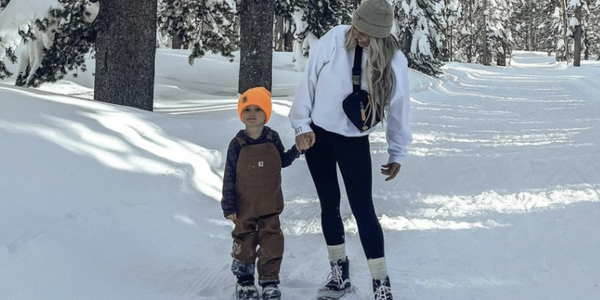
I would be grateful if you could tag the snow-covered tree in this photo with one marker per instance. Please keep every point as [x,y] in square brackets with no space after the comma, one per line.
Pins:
[452,14]
[421,24]
[201,25]
[564,33]
[593,37]
[283,29]
[16,26]
[465,40]
[532,25]
[322,15]
[578,10]
[8,52]
[497,36]
[60,43]
[485,31]
[313,18]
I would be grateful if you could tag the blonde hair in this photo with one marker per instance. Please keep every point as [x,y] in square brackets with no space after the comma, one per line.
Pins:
[378,71]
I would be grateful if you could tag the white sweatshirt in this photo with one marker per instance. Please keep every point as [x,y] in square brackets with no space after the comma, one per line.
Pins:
[326,82]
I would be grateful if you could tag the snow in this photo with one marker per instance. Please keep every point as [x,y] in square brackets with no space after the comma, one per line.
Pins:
[498,200]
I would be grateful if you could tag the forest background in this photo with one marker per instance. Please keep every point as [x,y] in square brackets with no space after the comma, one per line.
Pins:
[54,37]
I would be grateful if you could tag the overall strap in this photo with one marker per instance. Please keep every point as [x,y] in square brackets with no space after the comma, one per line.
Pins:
[270,136]
[243,143]
[356,69]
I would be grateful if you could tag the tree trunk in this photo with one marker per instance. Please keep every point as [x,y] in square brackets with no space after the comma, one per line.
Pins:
[530,36]
[289,36]
[484,42]
[565,27]
[471,35]
[176,41]
[501,55]
[586,52]
[125,53]
[578,35]
[256,44]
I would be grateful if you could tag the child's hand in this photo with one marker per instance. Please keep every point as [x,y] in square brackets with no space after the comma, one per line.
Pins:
[300,152]
[231,217]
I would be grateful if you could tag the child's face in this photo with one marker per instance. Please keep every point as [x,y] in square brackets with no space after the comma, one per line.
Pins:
[252,115]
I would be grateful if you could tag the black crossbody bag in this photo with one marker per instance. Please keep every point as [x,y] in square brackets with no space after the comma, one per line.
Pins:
[356,105]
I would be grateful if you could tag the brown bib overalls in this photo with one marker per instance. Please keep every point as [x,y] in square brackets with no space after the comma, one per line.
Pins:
[259,200]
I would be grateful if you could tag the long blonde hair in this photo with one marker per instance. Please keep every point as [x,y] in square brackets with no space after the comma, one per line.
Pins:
[378,71]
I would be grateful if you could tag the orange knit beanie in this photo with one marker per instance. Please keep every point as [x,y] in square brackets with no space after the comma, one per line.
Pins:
[258,96]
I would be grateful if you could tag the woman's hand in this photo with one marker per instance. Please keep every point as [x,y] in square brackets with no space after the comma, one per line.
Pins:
[390,170]
[305,141]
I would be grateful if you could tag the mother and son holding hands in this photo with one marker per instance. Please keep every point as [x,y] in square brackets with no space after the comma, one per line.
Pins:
[355,77]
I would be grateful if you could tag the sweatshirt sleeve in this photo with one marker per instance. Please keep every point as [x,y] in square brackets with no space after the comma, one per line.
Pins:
[229,177]
[287,157]
[398,131]
[300,113]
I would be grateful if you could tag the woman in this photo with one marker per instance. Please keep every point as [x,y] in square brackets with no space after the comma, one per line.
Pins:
[329,136]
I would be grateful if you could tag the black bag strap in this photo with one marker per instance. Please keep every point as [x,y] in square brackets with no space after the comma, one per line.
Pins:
[356,69]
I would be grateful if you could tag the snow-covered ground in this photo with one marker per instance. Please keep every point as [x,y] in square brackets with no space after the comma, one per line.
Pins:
[499,199]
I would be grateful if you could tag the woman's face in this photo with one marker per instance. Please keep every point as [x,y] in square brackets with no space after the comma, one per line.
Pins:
[362,38]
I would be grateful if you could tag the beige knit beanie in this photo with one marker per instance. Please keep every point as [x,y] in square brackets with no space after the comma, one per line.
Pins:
[374,17]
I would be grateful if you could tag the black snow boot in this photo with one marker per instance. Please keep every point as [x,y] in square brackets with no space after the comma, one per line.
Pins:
[382,289]
[338,280]
[245,288]
[270,291]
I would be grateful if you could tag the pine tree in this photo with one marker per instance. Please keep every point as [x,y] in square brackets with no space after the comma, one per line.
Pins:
[452,14]
[5,50]
[593,42]
[532,25]
[421,24]
[4,72]
[498,33]
[564,35]
[547,27]
[201,25]
[283,36]
[73,34]
[313,18]
[466,42]
[322,15]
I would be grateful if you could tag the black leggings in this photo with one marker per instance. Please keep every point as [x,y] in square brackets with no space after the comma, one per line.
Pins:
[353,156]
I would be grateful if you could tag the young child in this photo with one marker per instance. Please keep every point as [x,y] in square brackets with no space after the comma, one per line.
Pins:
[252,196]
